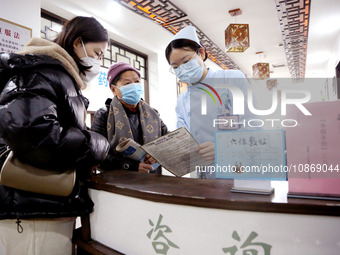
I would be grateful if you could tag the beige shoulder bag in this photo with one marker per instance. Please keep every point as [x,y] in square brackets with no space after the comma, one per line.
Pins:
[18,175]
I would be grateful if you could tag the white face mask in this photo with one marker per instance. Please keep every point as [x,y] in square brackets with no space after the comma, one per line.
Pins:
[190,72]
[95,66]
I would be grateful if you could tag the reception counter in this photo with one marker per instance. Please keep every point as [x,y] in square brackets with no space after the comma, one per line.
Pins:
[138,213]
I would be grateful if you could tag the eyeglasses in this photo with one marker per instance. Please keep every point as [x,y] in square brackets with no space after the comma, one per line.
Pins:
[182,66]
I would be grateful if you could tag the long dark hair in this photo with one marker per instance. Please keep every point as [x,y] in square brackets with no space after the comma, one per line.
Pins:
[88,28]
[182,43]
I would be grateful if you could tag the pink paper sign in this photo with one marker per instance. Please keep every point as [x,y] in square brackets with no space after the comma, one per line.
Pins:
[313,149]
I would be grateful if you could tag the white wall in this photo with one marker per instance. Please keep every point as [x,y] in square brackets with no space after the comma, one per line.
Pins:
[334,58]
[25,13]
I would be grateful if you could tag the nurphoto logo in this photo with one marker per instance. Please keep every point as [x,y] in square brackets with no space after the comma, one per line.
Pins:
[290,96]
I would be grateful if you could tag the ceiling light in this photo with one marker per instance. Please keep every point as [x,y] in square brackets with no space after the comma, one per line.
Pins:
[261,70]
[271,83]
[236,35]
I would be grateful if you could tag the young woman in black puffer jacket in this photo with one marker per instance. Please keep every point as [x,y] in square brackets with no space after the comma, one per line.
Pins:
[42,119]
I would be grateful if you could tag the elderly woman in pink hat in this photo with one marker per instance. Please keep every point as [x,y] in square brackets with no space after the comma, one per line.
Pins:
[127,116]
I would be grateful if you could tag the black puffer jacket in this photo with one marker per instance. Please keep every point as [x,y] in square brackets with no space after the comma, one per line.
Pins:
[42,119]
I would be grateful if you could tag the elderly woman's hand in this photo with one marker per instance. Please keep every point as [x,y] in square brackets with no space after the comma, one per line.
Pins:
[146,168]
[149,160]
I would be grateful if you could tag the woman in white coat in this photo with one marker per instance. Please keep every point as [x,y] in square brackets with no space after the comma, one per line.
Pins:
[186,55]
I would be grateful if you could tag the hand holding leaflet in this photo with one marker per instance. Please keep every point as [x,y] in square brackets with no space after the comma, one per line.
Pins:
[131,149]
[176,151]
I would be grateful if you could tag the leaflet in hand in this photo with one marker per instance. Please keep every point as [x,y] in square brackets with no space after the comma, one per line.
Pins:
[131,149]
[176,151]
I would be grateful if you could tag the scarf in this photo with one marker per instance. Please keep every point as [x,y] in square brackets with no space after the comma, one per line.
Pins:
[40,46]
[118,125]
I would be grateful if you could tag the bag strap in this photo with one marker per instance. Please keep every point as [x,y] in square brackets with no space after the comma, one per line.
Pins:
[4,152]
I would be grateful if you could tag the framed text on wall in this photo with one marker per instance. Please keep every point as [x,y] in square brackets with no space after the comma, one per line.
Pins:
[13,37]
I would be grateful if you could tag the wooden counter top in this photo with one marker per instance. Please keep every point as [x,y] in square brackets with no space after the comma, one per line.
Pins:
[206,193]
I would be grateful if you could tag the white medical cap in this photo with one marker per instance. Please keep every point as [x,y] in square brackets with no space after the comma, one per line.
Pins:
[189,33]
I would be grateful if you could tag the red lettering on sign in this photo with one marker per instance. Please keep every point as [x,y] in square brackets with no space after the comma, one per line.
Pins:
[7,32]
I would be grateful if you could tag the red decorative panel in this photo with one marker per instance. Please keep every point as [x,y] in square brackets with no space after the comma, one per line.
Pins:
[161,11]
[170,17]
[294,21]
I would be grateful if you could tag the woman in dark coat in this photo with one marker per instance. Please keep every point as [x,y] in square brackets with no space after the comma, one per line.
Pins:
[128,116]
[42,119]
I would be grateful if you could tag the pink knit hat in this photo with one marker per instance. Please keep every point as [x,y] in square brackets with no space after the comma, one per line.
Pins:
[118,68]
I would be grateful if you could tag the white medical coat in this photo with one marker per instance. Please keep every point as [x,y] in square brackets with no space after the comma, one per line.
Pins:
[188,108]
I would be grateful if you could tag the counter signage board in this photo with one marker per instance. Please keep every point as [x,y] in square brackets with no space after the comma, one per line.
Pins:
[255,154]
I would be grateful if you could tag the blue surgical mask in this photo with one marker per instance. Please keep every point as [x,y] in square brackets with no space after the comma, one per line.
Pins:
[132,93]
[190,72]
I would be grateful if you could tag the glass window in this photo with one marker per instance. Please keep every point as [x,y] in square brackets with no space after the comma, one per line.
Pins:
[122,53]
